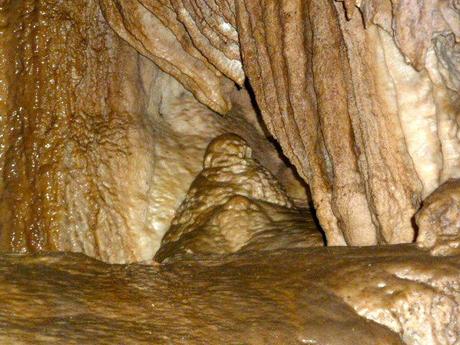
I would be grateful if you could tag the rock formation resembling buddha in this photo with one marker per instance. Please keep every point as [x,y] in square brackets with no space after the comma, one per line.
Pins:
[235,204]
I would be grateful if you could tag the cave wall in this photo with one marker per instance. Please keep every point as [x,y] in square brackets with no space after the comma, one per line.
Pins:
[363,102]
[362,96]
[98,145]
[71,127]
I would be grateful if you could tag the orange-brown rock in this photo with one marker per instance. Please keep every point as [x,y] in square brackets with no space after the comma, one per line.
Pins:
[439,220]
[91,133]
[236,204]
[365,109]
[338,296]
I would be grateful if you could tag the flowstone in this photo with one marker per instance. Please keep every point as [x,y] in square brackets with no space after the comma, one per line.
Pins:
[235,204]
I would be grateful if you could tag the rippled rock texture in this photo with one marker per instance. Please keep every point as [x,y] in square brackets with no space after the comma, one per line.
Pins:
[363,96]
[336,296]
[98,146]
[106,110]
[235,204]
[385,83]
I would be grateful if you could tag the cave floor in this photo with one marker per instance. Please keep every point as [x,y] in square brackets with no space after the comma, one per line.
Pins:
[298,296]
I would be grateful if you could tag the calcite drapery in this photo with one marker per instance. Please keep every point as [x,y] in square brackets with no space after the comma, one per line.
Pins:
[365,104]
[366,110]
[196,45]
[90,132]
[378,135]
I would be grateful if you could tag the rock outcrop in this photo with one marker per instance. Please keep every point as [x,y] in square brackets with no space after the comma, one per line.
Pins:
[439,220]
[366,110]
[362,95]
[236,204]
[102,132]
[338,296]
[98,146]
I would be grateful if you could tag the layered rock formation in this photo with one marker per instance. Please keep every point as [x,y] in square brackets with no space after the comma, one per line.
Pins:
[363,104]
[362,101]
[439,220]
[106,109]
[98,146]
[338,296]
[235,204]
[381,113]
[198,45]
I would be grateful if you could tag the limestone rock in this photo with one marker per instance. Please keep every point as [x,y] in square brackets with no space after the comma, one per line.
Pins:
[91,133]
[367,113]
[363,104]
[439,220]
[194,44]
[235,204]
[338,296]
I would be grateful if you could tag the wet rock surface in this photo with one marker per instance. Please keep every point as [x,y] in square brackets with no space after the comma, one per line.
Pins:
[385,295]
[439,220]
[236,204]
[97,145]
[363,96]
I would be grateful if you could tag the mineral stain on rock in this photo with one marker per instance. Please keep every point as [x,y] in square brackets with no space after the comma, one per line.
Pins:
[335,296]
[98,146]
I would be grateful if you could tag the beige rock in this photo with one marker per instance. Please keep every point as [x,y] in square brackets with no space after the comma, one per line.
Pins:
[98,146]
[369,122]
[235,204]
[367,113]
[193,46]
[439,220]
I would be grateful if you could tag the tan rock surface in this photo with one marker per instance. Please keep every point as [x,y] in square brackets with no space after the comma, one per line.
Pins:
[363,104]
[390,89]
[236,204]
[98,146]
[363,126]
[367,113]
[195,43]
[439,220]
[309,296]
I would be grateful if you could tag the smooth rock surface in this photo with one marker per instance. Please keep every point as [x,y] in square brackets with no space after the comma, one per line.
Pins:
[297,296]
